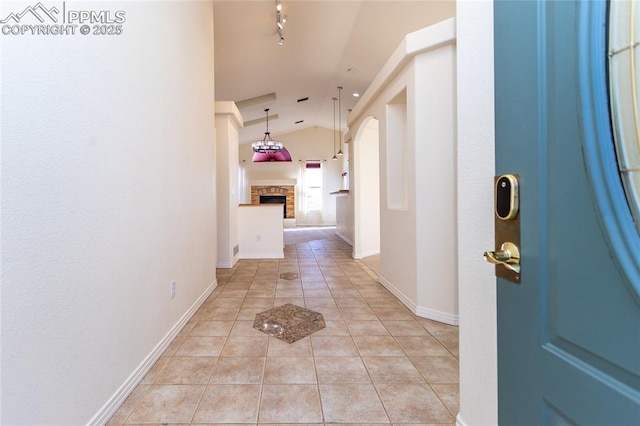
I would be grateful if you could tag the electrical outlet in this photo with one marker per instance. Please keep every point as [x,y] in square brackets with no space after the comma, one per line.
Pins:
[257,237]
[172,289]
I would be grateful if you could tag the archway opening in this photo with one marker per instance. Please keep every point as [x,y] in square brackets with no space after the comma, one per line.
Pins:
[366,186]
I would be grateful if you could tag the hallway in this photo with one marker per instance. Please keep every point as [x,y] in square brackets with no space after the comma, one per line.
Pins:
[375,362]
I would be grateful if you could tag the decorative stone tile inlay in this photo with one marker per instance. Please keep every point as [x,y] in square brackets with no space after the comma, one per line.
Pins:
[289,276]
[289,322]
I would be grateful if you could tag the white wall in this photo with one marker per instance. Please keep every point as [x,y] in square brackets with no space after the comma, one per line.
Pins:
[314,143]
[344,218]
[367,193]
[477,284]
[398,258]
[436,189]
[107,196]
[228,121]
[261,231]
[418,229]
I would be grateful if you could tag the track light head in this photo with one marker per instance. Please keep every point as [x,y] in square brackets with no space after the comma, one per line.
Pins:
[281,19]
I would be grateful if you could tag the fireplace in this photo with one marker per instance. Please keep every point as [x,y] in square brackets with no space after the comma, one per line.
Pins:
[275,199]
[277,194]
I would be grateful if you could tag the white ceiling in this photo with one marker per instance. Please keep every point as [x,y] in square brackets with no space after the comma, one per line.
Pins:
[323,39]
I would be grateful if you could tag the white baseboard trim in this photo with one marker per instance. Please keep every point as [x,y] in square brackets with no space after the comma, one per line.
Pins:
[397,293]
[228,264]
[420,311]
[262,256]
[109,409]
[369,253]
[346,240]
[459,421]
[439,316]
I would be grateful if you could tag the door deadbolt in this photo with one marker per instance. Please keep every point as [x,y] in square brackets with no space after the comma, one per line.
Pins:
[506,255]
[506,197]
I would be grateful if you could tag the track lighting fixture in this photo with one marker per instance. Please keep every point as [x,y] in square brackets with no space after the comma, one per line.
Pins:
[281,19]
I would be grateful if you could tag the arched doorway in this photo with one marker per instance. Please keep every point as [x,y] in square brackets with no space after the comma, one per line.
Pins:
[366,189]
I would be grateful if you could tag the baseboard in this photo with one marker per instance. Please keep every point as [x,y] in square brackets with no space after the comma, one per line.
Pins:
[228,264]
[439,316]
[420,311]
[459,421]
[262,256]
[397,293]
[109,409]
[346,240]
[368,253]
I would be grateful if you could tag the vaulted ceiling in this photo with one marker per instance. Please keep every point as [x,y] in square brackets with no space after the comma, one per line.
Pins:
[328,43]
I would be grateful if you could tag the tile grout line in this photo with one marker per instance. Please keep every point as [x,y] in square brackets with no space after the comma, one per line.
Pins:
[324,255]
[315,370]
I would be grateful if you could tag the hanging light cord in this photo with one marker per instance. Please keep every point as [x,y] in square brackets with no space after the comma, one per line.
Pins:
[334,129]
[340,154]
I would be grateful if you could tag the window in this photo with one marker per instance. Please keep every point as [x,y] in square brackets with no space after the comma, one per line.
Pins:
[313,186]
[624,53]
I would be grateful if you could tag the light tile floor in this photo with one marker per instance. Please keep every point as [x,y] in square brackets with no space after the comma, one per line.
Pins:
[375,362]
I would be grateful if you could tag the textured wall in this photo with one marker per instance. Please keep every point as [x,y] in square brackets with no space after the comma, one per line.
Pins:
[477,284]
[418,253]
[107,196]
[228,121]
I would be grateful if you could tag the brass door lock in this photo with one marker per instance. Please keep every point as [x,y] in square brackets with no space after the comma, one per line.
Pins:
[506,255]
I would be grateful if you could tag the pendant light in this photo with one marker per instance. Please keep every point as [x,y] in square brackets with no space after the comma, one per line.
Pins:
[340,154]
[334,129]
[267,145]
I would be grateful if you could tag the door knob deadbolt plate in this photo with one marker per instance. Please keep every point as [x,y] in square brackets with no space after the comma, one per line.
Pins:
[506,255]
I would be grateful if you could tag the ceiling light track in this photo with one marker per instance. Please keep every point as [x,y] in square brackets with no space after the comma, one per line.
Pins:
[281,19]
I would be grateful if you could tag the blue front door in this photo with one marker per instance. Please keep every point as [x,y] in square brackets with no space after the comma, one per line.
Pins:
[569,332]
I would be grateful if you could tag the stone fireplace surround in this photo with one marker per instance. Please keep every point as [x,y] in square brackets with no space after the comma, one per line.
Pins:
[286,190]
